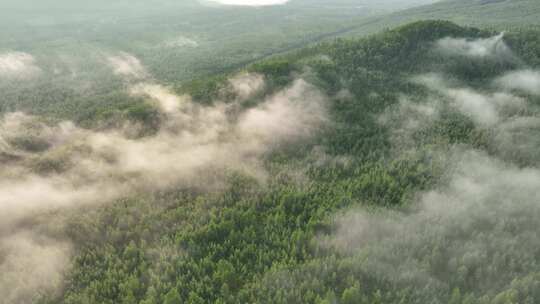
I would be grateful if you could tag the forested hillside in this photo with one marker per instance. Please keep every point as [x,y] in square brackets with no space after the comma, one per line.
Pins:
[496,14]
[397,168]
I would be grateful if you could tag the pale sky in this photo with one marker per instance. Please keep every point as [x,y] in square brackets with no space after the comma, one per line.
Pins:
[251,2]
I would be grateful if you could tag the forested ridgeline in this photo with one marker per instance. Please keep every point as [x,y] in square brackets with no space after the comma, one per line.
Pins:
[415,181]
[496,14]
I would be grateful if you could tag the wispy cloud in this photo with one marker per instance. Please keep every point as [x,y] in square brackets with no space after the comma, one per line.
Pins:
[125,64]
[18,64]
[478,225]
[31,262]
[104,165]
[48,167]
[483,107]
[246,84]
[475,48]
[488,208]
[527,81]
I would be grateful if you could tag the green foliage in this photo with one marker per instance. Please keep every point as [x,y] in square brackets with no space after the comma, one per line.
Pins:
[172,297]
[253,242]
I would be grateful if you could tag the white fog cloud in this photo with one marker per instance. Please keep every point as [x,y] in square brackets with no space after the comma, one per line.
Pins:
[54,167]
[17,64]
[28,263]
[484,208]
[488,208]
[485,205]
[406,118]
[484,108]
[477,225]
[246,84]
[167,101]
[527,81]
[476,48]
[105,165]
[125,64]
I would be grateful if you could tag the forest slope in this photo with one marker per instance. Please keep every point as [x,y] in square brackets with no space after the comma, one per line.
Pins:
[496,14]
[397,168]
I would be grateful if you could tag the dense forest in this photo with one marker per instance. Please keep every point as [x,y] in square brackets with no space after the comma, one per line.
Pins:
[400,167]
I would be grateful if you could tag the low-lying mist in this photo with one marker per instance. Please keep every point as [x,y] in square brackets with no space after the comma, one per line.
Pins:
[479,225]
[479,230]
[472,237]
[17,65]
[54,166]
